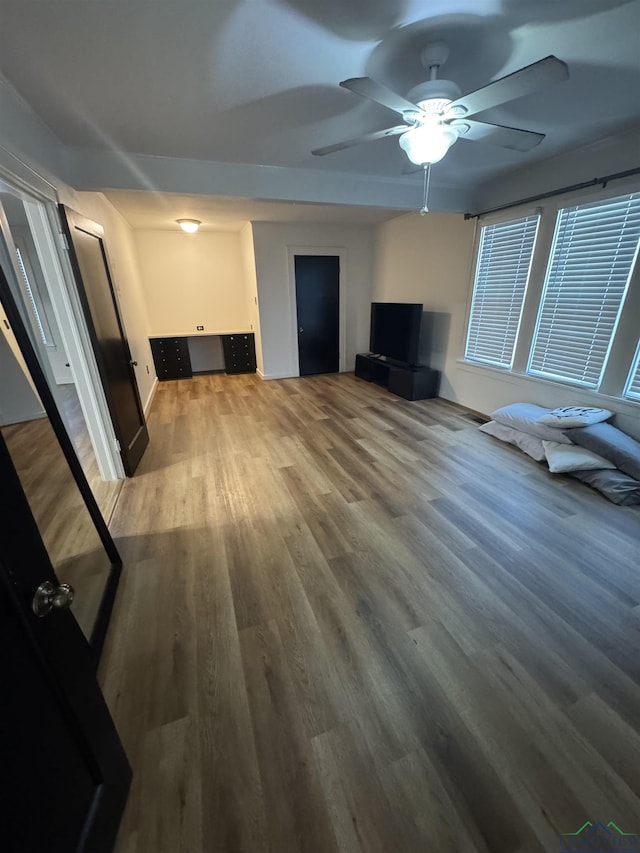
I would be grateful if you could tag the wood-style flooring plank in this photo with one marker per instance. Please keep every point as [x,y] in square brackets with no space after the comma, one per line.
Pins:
[348,622]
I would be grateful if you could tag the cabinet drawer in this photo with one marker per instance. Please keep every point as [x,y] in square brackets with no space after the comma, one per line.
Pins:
[239,353]
[171,358]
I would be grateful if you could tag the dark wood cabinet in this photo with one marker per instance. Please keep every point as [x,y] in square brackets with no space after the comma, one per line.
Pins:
[171,358]
[239,353]
[413,382]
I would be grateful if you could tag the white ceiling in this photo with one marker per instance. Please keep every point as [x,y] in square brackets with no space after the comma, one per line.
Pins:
[159,211]
[256,81]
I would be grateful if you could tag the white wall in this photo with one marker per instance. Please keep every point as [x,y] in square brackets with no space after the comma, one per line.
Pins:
[18,398]
[123,263]
[193,280]
[427,259]
[276,291]
[617,153]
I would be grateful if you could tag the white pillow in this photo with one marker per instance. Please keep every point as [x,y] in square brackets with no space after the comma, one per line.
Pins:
[570,457]
[524,417]
[529,444]
[574,416]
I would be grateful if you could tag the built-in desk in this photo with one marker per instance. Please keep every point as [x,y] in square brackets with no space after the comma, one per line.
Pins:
[180,356]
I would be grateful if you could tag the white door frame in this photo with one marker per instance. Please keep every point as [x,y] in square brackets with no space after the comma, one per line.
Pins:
[341,253]
[52,253]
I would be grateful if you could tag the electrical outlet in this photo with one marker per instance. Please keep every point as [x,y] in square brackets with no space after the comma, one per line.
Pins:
[200,328]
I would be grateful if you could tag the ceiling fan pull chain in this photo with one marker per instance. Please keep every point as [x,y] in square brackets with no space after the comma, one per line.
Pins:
[427,178]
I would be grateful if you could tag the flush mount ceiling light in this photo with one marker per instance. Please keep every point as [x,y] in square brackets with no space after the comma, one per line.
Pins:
[189,225]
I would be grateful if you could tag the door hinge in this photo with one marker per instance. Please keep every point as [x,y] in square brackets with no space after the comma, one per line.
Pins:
[118,446]
[64,241]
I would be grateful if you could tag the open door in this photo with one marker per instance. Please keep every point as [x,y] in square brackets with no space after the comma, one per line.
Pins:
[88,257]
[65,777]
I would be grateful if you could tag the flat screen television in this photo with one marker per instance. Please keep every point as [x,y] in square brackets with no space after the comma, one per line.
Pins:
[395,330]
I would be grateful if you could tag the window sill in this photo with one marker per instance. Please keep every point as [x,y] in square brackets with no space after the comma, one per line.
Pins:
[618,404]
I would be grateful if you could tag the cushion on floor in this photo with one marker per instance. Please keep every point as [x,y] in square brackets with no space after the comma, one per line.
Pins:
[610,442]
[524,417]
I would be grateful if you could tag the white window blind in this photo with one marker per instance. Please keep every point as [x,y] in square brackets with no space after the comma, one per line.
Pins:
[633,384]
[592,258]
[31,299]
[502,273]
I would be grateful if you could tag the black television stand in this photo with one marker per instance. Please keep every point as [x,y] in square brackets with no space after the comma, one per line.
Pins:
[411,381]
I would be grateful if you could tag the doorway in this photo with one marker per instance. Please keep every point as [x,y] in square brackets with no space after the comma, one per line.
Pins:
[317,292]
[88,257]
[51,312]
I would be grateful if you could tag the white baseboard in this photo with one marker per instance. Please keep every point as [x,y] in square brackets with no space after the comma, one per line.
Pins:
[152,394]
[275,375]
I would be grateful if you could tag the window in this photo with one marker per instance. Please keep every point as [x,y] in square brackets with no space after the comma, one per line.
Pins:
[633,383]
[592,258]
[502,273]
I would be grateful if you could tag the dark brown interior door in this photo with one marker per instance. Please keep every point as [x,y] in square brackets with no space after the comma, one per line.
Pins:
[95,286]
[64,777]
[318,312]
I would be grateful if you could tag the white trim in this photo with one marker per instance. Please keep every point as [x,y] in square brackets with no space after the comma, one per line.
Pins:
[267,376]
[341,253]
[23,177]
[147,406]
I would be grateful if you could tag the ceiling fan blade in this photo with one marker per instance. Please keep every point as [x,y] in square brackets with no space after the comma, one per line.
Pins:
[367,137]
[497,134]
[527,80]
[367,88]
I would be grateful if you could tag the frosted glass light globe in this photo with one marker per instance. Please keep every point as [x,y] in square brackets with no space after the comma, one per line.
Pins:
[427,143]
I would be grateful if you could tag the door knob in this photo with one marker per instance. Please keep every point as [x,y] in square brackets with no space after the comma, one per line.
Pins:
[49,596]
[300,330]
[134,364]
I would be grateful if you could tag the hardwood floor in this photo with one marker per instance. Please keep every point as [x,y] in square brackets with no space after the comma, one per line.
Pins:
[348,622]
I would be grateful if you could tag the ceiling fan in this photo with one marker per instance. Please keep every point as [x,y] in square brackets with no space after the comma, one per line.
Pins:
[436,114]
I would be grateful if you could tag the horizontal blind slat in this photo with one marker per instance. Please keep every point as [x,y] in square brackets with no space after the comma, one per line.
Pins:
[502,273]
[593,251]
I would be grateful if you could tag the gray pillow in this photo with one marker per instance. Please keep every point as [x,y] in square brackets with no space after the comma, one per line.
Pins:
[610,442]
[529,444]
[524,417]
[613,484]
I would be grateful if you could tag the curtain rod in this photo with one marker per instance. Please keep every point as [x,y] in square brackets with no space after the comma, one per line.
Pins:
[572,188]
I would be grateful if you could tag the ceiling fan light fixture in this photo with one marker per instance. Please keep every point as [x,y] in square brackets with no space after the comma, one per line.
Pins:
[434,106]
[189,225]
[432,90]
[427,143]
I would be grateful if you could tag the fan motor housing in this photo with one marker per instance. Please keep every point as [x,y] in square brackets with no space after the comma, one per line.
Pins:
[441,89]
